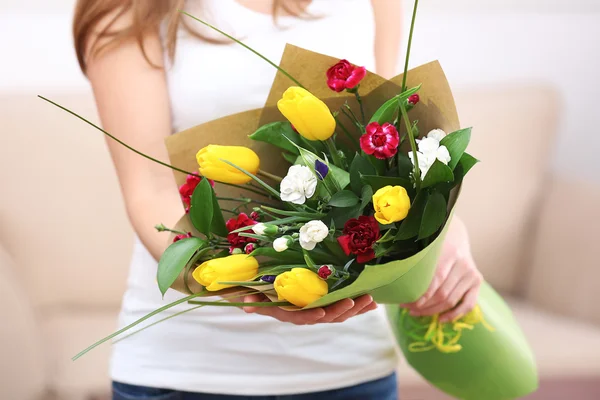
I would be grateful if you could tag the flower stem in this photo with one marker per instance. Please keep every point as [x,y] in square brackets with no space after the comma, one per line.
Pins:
[242,199]
[162,228]
[334,152]
[410,37]
[249,188]
[269,175]
[345,130]
[360,103]
[413,146]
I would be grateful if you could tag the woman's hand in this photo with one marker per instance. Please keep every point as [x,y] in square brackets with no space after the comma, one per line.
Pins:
[337,312]
[455,286]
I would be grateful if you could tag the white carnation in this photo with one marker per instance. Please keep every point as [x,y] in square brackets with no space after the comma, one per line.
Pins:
[259,228]
[428,145]
[437,134]
[311,233]
[280,244]
[299,184]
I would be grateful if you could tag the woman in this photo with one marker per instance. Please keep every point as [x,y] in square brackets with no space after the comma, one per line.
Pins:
[154,73]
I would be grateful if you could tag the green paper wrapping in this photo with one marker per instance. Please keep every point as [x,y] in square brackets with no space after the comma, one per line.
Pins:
[493,364]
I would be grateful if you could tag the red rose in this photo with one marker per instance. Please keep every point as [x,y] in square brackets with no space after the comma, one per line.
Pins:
[359,237]
[187,189]
[380,140]
[344,75]
[234,239]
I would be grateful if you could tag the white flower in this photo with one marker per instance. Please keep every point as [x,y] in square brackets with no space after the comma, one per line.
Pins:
[299,184]
[430,150]
[311,233]
[443,155]
[281,244]
[259,228]
[436,134]
[428,145]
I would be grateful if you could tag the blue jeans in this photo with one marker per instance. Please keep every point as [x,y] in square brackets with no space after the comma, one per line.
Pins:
[381,389]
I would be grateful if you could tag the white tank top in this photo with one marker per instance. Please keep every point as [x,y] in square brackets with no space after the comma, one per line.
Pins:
[224,350]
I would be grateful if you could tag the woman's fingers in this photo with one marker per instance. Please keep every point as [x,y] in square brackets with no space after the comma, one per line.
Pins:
[441,274]
[447,296]
[360,304]
[468,303]
[337,312]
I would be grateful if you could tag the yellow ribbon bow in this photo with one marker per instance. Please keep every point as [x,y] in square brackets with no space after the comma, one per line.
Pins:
[428,333]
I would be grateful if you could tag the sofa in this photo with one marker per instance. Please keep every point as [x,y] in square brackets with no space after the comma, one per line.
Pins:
[65,243]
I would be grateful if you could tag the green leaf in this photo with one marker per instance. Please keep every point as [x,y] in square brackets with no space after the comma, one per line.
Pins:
[438,173]
[456,143]
[345,198]
[377,182]
[301,214]
[360,164]
[411,224]
[256,179]
[465,164]
[405,166]
[386,112]
[202,206]
[334,247]
[388,236]
[341,215]
[291,158]
[217,225]
[308,260]
[174,260]
[434,215]
[366,196]
[279,134]
[288,256]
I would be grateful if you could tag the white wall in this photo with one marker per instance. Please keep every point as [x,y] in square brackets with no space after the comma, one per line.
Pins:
[477,42]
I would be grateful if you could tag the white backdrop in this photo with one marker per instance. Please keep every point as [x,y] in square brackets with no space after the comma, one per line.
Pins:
[478,42]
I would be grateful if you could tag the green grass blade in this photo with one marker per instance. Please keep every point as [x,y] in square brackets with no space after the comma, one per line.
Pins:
[246,46]
[114,138]
[139,321]
[262,183]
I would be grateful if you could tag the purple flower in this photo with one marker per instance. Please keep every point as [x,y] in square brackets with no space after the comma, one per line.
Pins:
[268,278]
[322,169]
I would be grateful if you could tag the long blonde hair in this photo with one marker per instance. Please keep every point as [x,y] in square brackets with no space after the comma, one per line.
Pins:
[146,18]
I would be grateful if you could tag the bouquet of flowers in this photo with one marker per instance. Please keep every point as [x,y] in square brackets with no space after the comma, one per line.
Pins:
[343,184]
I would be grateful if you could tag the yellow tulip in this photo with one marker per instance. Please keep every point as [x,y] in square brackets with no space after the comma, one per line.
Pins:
[300,286]
[391,204]
[309,115]
[209,159]
[239,267]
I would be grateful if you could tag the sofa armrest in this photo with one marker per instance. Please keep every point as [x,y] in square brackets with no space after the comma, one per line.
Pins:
[565,263]
[21,364]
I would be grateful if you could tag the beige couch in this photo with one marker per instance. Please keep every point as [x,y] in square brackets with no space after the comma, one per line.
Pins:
[65,241]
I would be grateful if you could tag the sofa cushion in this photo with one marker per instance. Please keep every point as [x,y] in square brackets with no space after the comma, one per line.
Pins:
[512,136]
[20,348]
[61,214]
[565,272]
[66,333]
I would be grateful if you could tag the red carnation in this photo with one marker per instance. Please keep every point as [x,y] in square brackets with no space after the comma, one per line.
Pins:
[414,99]
[182,236]
[359,237]
[234,239]
[380,140]
[187,189]
[344,75]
